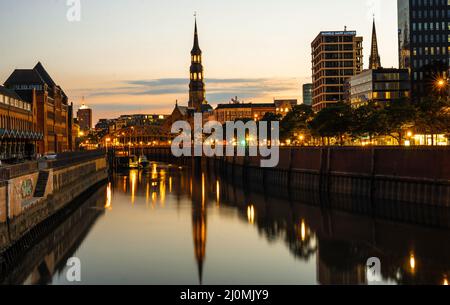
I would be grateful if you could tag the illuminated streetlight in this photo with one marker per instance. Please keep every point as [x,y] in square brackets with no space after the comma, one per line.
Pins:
[412,262]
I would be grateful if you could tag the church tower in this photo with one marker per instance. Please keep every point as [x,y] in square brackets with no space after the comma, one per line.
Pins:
[197,93]
[375,61]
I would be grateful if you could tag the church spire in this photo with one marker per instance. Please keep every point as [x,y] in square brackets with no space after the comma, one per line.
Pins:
[375,61]
[196,48]
[197,93]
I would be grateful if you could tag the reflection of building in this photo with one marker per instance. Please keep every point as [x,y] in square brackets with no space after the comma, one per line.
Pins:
[199,228]
[53,246]
[17,126]
[51,111]
[307,94]
[380,86]
[423,42]
[84,116]
[336,56]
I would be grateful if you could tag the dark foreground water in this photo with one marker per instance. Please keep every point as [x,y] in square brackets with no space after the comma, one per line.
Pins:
[169,226]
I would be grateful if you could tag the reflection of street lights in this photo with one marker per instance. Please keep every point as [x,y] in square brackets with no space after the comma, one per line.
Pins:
[107,140]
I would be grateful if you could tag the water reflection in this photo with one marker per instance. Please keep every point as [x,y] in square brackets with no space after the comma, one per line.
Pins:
[171,225]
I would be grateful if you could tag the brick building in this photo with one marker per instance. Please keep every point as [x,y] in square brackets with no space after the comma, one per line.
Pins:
[18,136]
[52,108]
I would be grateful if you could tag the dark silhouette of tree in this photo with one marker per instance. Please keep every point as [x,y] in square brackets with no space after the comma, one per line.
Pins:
[432,116]
[333,122]
[394,117]
[296,122]
[367,121]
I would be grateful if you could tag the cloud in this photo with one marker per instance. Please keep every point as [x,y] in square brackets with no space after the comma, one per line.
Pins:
[217,88]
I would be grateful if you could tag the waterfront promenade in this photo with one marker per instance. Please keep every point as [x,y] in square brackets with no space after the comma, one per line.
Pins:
[32,192]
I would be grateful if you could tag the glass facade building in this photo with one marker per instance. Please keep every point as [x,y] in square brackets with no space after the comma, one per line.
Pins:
[424,42]
[380,86]
[307,94]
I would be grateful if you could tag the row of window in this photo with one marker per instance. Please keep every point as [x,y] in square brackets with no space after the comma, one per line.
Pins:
[15,102]
[11,123]
[427,3]
[430,26]
[196,58]
[431,51]
[418,14]
[440,39]
[420,63]
[196,76]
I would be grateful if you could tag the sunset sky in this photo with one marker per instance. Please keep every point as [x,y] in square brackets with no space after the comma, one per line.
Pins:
[133,56]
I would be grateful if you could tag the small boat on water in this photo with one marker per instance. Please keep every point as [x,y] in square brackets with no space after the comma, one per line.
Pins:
[133,164]
[143,162]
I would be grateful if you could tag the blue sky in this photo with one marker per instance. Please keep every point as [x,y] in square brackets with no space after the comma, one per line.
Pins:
[133,55]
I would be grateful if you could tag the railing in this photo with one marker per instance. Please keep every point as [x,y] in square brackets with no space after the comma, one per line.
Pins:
[73,158]
[13,171]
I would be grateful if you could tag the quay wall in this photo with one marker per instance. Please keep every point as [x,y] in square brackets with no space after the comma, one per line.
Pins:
[407,174]
[61,181]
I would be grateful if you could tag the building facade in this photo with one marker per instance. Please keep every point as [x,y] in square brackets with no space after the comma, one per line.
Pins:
[242,111]
[283,107]
[424,43]
[379,85]
[84,116]
[307,94]
[336,56]
[18,136]
[52,109]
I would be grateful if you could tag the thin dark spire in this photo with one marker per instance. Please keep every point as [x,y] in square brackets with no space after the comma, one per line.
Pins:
[375,61]
[196,49]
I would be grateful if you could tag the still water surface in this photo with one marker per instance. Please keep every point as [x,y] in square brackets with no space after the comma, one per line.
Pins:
[169,226]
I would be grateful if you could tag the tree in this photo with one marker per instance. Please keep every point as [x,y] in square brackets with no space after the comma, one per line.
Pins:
[271,117]
[432,116]
[296,122]
[333,121]
[366,120]
[394,117]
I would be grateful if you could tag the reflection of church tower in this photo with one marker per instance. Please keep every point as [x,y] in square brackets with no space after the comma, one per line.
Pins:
[197,93]
[199,223]
[375,61]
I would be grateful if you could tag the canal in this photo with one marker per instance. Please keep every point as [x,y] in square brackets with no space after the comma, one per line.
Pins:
[167,225]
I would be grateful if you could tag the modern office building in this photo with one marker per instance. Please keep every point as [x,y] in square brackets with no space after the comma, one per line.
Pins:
[84,116]
[424,43]
[336,56]
[52,108]
[307,94]
[379,85]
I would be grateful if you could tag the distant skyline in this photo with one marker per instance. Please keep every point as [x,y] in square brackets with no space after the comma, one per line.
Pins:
[133,56]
